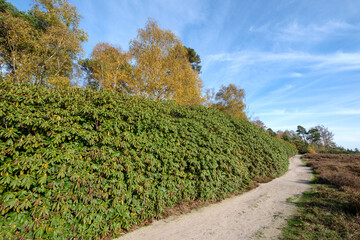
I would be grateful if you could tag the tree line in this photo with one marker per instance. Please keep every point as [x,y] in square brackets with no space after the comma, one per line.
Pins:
[43,46]
[318,139]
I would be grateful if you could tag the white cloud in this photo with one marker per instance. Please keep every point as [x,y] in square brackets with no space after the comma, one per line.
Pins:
[296,74]
[346,112]
[283,112]
[295,32]
[282,90]
[334,62]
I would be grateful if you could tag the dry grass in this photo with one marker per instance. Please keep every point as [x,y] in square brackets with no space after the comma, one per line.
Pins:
[339,170]
[331,210]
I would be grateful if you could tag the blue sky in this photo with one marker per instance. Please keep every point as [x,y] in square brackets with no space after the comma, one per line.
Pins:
[298,61]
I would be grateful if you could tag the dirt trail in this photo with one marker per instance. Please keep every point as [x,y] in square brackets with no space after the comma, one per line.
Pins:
[256,214]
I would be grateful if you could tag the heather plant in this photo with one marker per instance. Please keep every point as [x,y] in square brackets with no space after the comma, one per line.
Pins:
[331,210]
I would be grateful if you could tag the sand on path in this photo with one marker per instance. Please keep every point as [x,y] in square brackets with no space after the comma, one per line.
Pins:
[256,214]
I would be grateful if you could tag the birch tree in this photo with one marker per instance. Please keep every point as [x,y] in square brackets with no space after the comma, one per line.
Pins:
[109,68]
[42,45]
[161,67]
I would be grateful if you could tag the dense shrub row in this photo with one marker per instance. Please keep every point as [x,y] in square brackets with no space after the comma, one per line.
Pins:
[81,163]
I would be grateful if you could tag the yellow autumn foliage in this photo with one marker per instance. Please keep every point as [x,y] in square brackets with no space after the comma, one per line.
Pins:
[41,44]
[14,47]
[161,68]
[231,101]
[310,149]
[58,82]
[111,68]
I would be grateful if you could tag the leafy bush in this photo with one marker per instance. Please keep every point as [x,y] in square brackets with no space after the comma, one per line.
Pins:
[82,163]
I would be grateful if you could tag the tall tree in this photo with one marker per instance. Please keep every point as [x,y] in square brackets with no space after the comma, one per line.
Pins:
[209,97]
[313,136]
[301,131]
[86,65]
[230,99]
[287,136]
[41,46]
[271,132]
[326,137]
[259,123]
[109,68]
[194,59]
[161,69]
[17,38]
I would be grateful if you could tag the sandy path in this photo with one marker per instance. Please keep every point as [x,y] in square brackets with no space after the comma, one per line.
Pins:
[253,215]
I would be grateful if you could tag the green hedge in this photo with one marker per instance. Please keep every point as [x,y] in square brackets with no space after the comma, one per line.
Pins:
[82,163]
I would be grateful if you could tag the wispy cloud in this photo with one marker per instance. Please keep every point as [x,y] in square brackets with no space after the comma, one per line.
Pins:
[296,75]
[314,32]
[296,32]
[283,89]
[251,57]
[283,112]
[334,62]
